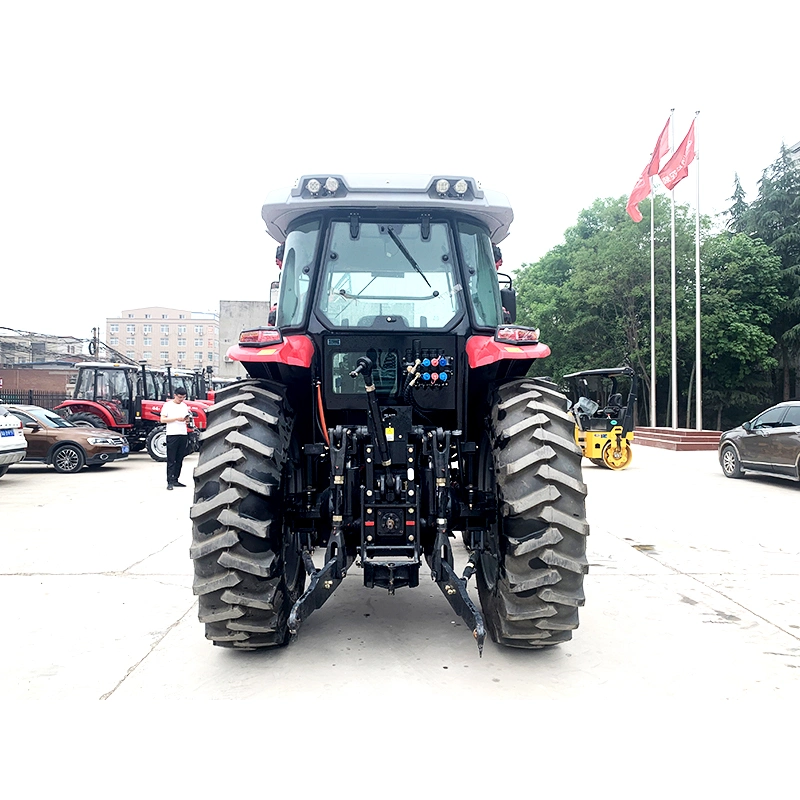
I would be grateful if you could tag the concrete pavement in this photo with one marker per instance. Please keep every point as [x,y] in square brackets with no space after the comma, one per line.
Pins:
[692,593]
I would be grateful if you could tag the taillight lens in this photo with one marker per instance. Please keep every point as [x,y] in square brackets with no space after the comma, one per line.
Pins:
[514,334]
[260,336]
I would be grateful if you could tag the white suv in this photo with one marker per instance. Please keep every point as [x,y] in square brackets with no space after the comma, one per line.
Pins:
[13,444]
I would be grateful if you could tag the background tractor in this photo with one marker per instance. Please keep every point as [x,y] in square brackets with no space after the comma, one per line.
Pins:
[127,399]
[603,403]
[386,410]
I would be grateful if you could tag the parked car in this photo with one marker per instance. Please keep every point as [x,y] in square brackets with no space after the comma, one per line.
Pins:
[769,443]
[53,440]
[12,440]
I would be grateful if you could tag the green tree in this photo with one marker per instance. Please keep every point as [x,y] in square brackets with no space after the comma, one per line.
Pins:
[737,213]
[741,280]
[774,217]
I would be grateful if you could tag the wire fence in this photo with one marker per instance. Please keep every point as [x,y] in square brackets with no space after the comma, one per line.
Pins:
[32,397]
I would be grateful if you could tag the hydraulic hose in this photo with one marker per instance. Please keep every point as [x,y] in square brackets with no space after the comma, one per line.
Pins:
[321,411]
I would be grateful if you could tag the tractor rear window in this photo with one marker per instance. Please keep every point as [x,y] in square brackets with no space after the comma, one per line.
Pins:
[390,277]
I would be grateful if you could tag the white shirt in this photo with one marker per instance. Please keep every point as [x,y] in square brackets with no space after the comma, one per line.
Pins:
[171,410]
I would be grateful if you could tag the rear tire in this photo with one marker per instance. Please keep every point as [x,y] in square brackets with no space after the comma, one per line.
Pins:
[531,598]
[84,419]
[246,575]
[157,443]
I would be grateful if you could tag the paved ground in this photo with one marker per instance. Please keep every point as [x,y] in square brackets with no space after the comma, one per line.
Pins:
[692,593]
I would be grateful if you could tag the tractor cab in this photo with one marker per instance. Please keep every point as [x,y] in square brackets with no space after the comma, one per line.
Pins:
[111,389]
[602,404]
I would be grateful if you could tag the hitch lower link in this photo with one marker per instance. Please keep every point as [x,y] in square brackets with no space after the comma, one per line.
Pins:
[453,588]
[323,582]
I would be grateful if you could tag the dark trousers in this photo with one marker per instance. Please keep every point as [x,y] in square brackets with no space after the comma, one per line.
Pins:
[176,450]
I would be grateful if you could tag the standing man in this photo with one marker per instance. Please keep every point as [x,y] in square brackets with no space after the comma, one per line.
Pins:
[176,414]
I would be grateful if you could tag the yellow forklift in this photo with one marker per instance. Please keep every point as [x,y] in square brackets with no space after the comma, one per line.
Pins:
[603,418]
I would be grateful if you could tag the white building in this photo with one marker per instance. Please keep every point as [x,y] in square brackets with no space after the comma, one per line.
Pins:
[158,335]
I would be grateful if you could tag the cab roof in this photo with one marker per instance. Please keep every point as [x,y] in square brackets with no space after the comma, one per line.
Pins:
[387,191]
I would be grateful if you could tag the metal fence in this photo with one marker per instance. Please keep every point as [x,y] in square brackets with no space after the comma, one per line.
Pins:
[32,397]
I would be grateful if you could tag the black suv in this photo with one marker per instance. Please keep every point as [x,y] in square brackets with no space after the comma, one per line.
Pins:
[769,443]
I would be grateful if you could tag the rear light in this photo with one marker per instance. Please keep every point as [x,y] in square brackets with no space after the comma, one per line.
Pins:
[514,334]
[257,337]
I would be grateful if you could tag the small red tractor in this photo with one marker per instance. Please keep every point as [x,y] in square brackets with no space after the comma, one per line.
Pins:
[124,398]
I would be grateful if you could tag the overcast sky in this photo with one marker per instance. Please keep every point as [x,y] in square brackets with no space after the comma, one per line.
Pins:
[140,139]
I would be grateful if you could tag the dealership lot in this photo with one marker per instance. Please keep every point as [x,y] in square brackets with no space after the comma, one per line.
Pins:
[692,592]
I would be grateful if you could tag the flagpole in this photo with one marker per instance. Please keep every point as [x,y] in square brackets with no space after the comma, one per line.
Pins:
[653,418]
[697,348]
[673,305]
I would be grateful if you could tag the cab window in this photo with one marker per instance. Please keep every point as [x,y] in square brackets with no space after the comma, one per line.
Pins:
[298,259]
[484,292]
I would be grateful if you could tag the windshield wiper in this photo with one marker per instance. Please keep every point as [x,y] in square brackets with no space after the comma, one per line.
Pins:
[402,248]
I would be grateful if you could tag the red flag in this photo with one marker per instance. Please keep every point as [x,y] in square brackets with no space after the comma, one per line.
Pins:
[640,191]
[642,188]
[677,168]
[661,149]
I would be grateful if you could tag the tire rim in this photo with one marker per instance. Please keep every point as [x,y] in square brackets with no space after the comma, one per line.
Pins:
[729,462]
[67,459]
[615,458]
[159,445]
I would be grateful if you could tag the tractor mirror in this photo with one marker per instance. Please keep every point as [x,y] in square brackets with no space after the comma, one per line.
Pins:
[508,298]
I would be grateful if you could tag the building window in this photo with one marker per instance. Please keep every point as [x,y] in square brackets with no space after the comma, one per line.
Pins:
[163,316]
[164,355]
[181,342]
[148,329]
[181,316]
[164,342]
[148,342]
[114,341]
[147,355]
[181,356]
[198,329]
[198,356]
[147,316]
[165,329]
[131,329]
[210,356]
[130,353]
[198,342]
[130,340]
[181,330]
[130,316]
[114,327]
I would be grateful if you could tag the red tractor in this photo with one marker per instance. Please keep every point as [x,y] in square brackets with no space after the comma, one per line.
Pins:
[124,398]
[387,411]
